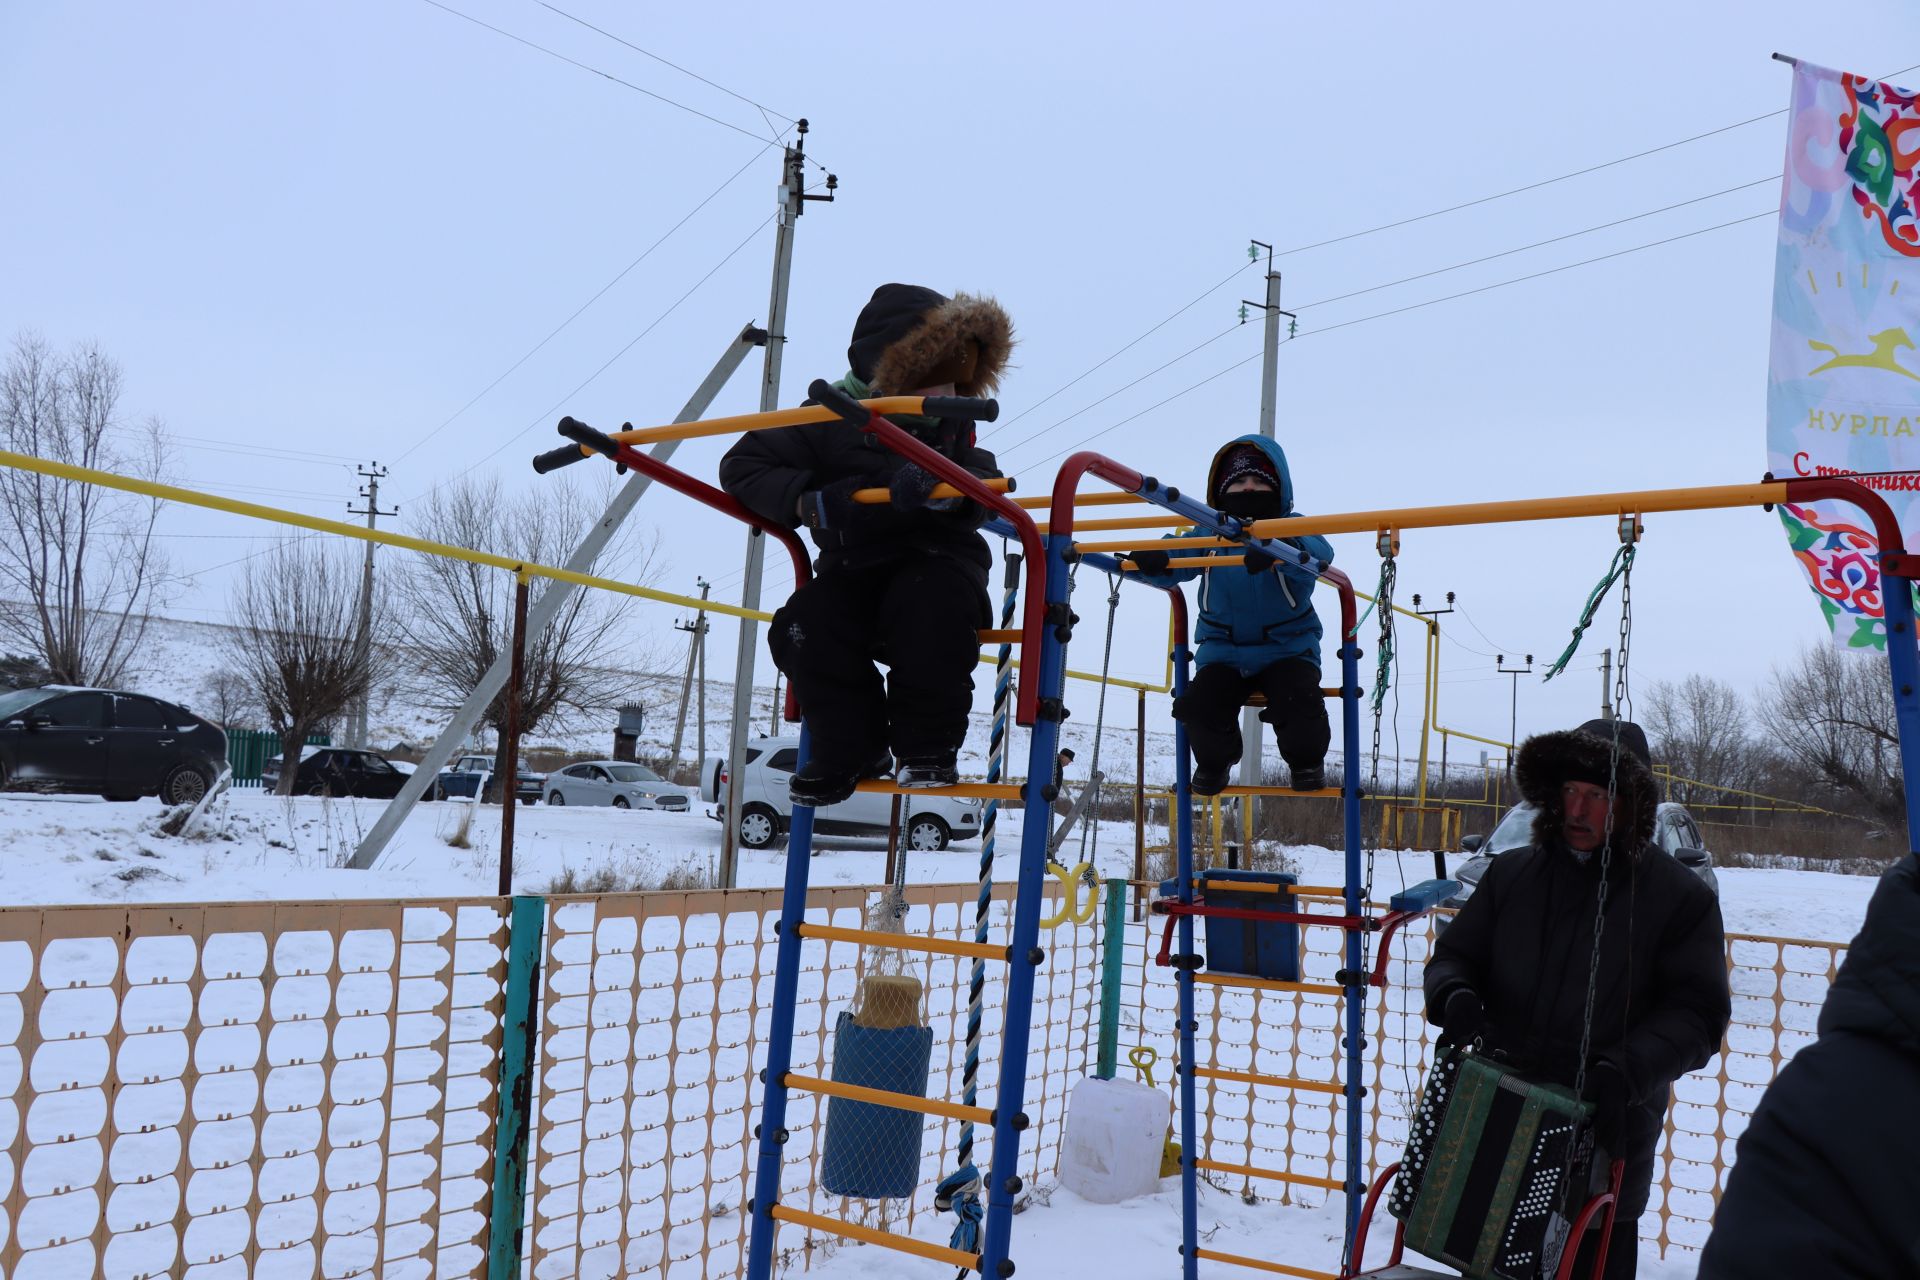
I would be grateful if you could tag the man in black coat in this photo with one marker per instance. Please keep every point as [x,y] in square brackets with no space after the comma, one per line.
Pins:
[1825,1179]
[903,583]
[1511,970]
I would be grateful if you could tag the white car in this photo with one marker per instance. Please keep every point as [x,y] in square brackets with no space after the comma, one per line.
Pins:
[620,783]
[929,821]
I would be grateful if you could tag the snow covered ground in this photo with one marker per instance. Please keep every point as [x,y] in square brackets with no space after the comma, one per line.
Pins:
[56,850]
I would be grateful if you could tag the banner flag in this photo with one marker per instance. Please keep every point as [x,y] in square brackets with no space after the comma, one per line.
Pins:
[1843,384]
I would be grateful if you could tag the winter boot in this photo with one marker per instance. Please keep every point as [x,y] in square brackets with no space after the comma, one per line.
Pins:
[1312,777]
[1211,779]
[818,783]
[927,771]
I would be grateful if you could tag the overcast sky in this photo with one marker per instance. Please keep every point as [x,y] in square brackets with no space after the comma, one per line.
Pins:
[313,234]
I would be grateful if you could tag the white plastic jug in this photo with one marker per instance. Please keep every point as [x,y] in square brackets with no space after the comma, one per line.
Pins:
[1115,1131]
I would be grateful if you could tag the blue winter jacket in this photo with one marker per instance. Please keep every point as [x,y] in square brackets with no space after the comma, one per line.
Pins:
[1251,621]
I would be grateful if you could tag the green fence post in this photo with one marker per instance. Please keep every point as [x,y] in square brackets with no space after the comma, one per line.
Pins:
[1113,940]
[512,1131]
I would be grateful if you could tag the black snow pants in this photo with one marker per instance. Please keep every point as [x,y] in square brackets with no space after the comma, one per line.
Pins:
[1210,709]
[919,617]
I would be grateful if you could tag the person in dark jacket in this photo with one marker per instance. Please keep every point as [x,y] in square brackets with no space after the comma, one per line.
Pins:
[1824,1179]
[903,583]
[1511,971]
[1257,632]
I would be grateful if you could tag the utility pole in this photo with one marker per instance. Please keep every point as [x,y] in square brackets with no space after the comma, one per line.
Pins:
[373,473]
[1606,684]
[1513,724]
[696,631]
[793,203]
[1251,772]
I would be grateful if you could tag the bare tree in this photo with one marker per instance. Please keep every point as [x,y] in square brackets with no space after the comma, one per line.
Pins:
[228,698]
[458,615]
[1832,713]
[79,569]
[293,641]
[1699,730]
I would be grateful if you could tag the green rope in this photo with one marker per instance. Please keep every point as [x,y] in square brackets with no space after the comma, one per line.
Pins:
[1622,562]
[1383,594]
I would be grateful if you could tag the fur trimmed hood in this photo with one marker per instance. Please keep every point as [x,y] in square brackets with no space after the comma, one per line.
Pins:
[1548,760]
[905,333]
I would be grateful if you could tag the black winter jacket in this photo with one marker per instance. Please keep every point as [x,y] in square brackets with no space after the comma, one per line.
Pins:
[1524,943]
[768,471]
[1825,1180]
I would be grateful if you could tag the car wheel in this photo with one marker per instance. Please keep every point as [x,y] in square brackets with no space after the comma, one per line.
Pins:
[185,785]
[759,826]
[557,797]
[620,802]
[927,834]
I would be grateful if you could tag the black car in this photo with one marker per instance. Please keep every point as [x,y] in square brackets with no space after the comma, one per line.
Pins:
[106,742]
[339,771]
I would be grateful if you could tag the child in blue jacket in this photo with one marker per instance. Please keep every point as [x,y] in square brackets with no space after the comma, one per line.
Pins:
[1258,631]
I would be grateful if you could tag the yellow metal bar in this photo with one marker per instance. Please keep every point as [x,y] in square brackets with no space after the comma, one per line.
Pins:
[1190,562]
[1322,793]
[1273,1175]
[1315,890]
[1088,676]
[1159,544]
[868,1235]
[1081,500]
[886,1098]
[880,497]
[1269,984]
[973,790]
[320,524]
[908,405]
[1168,521]
[996,636]
[1473,737]
[1279,1082]
[1297,890]
[1259,1264]
[1639,502]
[903,942]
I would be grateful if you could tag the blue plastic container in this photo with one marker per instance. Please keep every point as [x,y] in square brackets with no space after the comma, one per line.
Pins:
[1253,948]
[872,1151]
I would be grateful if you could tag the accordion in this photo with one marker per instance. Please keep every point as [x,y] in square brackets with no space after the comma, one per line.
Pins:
[1493,1160]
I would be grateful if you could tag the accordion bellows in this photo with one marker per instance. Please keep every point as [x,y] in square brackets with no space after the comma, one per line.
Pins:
[1481,1186]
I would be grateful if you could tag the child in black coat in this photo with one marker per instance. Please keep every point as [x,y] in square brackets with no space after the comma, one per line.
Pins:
[902,584]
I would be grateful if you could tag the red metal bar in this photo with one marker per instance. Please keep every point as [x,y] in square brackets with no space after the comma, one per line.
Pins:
[1034,606]
[1389,925]
[1366,1218]
[1607,1200]
[1885,527]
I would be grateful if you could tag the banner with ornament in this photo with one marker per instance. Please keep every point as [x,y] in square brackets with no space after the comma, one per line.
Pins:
[1843,387]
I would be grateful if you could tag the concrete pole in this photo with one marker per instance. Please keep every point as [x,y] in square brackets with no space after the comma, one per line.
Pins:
[1251,735]
[552,597]
[686,681]
[739,725]
[363,634]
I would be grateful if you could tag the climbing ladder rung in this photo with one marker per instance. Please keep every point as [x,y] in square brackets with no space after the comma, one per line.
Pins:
[1326,691]
[971,790]
[903,942]
[1262,886]
[1323,792]
[1279,1082]
[1260,1264]
[886,1098]
[997,636]
[1270,984]
[868,1235]
[1271,1175]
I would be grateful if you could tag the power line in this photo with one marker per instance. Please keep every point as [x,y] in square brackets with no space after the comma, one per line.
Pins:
[589,379]
[554,53]
[598,294]
[758,106]
[1465,293]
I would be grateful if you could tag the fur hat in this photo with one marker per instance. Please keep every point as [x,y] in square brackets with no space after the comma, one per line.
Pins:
[1242,460]
[1547,761]
[908,337]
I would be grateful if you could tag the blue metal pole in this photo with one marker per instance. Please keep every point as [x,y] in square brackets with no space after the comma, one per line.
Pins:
[1903,661]
[1183,978]
[1356,977]
[1003,1182]
[772,1131]
[513,1130]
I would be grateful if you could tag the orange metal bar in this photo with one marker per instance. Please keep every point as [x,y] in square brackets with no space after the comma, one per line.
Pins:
[1264,984]
[885,1098]
[908,405]
[880,497]
[868,1235]
[903,942]
[1281,1082]
[1127,522]
[1297,890]
[1190,562]
[1160,544]
[1258,1264]
[1272,1175]
[1704,498]
[995,636]
[1082,500]
[974,790]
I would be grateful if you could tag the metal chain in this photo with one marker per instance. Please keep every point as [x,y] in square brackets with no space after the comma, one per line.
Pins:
[1383,601]
[1091,815]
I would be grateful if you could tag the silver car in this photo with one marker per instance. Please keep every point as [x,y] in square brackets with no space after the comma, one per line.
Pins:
[620,783]
[1674,830]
